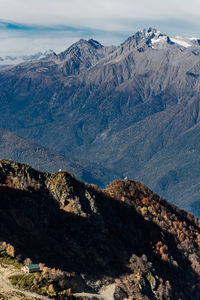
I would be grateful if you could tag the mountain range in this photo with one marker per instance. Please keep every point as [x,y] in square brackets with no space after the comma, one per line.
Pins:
[132,109]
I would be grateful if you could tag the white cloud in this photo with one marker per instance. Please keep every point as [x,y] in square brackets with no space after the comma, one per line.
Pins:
[18,46]
[17,43]
[109,21]
[104,14]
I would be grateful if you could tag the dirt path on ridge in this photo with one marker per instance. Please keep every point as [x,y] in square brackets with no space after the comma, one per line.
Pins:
[9,290]
[106,293]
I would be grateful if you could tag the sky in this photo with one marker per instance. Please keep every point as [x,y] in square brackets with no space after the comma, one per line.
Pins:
[28,26]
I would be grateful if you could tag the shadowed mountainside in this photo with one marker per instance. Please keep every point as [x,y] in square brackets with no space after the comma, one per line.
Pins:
[125,234]
[22,150]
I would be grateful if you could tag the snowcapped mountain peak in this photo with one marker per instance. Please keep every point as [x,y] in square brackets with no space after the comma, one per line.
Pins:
[156,39]
[151,31]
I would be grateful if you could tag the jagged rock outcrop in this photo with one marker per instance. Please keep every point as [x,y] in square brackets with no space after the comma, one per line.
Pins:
[125,235]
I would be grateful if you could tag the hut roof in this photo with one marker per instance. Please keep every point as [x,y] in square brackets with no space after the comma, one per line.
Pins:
[34,266]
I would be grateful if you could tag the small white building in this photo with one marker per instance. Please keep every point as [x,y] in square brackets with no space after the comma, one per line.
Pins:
[31,268]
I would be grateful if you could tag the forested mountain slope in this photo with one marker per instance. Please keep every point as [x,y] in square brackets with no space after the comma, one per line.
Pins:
[125,235]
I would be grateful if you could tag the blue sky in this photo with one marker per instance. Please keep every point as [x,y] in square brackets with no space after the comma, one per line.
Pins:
[28,26]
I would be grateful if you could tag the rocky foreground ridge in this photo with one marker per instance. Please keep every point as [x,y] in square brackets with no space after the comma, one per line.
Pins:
[124,235]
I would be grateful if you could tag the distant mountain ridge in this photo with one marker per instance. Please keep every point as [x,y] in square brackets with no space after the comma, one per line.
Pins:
[21,150]
[13,60]
[132,108]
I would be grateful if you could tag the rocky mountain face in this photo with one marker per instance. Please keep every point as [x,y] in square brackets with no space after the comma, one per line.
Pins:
[125,235]
[133,109]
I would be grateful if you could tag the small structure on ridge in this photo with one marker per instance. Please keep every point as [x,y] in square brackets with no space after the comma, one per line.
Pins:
[31,268]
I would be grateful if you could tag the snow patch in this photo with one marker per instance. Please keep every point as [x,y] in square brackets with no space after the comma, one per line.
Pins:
[182,42]
[159,39]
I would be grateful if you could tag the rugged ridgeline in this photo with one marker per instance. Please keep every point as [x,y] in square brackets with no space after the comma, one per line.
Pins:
[125,235]
[132,108]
